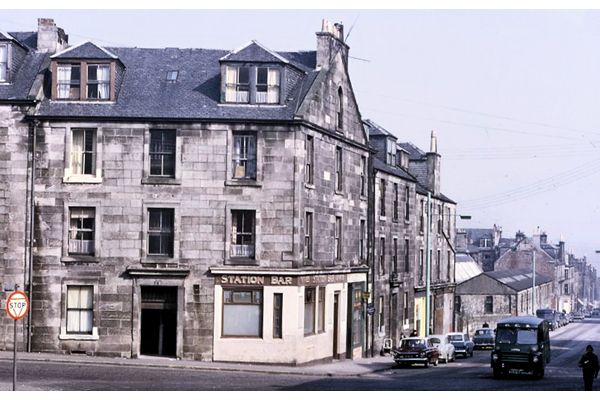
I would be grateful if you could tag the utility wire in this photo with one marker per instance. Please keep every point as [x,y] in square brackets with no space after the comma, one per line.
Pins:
[534,189]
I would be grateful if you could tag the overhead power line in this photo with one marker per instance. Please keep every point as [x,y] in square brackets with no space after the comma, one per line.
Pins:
[533,189]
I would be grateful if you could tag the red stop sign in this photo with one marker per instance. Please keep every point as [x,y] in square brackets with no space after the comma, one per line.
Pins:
[17,305]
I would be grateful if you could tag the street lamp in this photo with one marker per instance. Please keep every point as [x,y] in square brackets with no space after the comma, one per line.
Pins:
[428,266]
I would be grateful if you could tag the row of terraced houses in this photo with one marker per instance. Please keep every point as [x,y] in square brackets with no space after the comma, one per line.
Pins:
[212,205]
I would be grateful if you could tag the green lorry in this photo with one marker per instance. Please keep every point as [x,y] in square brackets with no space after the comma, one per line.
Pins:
[522,345]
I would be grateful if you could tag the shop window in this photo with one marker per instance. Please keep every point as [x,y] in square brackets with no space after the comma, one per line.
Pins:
[242,312]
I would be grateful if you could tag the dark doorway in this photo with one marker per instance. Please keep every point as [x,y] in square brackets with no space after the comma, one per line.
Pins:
[159,321]
[336,316]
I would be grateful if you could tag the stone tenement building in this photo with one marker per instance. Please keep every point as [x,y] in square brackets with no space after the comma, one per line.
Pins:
[211,205]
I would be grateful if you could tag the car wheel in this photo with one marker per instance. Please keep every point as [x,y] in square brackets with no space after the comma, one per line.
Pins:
[435,363]
[426,363]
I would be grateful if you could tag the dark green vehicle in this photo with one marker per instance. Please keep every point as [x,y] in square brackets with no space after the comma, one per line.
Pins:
[522,345]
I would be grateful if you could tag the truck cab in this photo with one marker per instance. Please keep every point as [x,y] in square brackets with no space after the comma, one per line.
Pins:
[522,345]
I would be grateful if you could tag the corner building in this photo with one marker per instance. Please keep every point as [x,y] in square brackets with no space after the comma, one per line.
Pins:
[191,203]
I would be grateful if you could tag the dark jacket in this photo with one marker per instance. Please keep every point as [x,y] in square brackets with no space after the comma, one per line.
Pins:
[589,363]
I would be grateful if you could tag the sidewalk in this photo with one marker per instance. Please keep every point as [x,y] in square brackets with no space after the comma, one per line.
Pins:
[336,368]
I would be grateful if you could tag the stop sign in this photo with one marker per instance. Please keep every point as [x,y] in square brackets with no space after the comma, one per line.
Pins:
[17,305]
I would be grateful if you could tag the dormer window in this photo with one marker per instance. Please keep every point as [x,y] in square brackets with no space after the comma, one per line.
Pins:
[83,81]
[252,84]
[3,63]
[391,152]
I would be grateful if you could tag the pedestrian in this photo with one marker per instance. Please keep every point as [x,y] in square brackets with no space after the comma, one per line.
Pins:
[589,364]
[486,325]
[414,333]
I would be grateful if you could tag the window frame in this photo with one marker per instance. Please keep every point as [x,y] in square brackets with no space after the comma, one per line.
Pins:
[81,230]
[310,309]
[164,231]
[308,235]
[338,238]
[153,179]
[229,231]
[163,149]
[78,88]
[244,159]
[339,167]
[235,91]
[489,305]
[70,172]
[152,258]
[4,61]
[259,305]
[309,149]
[87,336]
[277,315]
[67,255]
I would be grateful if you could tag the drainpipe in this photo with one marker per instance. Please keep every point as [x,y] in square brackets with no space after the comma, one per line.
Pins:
[31,229]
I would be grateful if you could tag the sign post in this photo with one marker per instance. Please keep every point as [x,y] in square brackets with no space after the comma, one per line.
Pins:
[17,306]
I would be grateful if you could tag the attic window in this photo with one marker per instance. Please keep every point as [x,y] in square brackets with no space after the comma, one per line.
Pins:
[80,80]
[252,84]
[172,76]
[3,63]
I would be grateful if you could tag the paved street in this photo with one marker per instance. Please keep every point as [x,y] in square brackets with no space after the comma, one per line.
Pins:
[77,373]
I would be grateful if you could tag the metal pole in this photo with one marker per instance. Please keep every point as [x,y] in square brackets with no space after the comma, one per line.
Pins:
[15,351]
[428,272]
[533,287]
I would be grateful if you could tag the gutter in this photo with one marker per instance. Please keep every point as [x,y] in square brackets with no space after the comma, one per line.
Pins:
[34,125]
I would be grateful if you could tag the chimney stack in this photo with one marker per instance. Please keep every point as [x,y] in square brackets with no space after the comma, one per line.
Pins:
[50,37]
[433,167]
[330,41]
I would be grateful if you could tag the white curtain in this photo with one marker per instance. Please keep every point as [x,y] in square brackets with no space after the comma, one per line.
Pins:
[230,84]
[77,152]
[273,86]
[103,81]
[64,81]
[79,309]
[3,62]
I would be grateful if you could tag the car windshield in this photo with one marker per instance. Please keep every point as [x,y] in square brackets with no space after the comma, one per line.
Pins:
[412,343]
[517,336]
[435,341]
[482,332]
[455,338]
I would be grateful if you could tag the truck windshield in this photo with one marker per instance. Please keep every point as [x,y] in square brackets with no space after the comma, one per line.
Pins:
[517,336]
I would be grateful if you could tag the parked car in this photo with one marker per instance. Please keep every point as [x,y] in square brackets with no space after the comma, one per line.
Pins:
[416,350]
[484,337]
[462,344]
[446,349]
[577,316]
[549,315]
[569,317]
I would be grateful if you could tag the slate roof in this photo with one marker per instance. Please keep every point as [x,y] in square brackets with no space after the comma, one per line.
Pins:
[518,279]
[417,169]
[145,93]
[24,77]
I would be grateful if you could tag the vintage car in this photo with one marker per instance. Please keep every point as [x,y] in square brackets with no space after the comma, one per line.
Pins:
[484,337]
[446,349]
[416,350]
[462,344]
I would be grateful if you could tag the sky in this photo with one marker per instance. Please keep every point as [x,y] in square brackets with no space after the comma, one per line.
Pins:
[512,93]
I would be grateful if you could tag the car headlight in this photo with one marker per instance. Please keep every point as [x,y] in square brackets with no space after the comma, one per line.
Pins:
[495,357]
[535,359]
[534,348]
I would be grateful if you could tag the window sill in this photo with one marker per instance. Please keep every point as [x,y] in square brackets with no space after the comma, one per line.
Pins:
[82,179]
[339,192]
[243,182]
[80,259]
[382,218]
[310,186]
[159,260]
[79,337]
[309,263]
[161,180]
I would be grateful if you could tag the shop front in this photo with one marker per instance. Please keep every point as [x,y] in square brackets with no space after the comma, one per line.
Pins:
[289,318]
